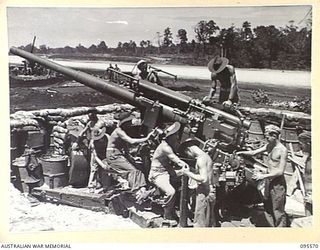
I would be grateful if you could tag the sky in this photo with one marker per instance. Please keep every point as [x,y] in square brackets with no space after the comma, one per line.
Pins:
[59,27]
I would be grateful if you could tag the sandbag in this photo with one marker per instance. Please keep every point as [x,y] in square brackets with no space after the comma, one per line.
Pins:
[55,118]
[61,136]
[59,129]
[53,123]
[57,140]
[57,145]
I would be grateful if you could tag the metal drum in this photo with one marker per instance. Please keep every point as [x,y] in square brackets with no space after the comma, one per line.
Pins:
[55,170]
[54,164]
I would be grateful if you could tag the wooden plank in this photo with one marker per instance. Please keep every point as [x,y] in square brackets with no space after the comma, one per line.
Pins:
[69,196]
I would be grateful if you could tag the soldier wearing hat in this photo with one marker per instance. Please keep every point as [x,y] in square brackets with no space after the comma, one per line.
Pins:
[225,74]
[140,70]
[118,156]
[205,195]
[161,167]
[275,191]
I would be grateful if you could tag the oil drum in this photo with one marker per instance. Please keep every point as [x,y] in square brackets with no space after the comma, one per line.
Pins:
[55,170]
[54,164]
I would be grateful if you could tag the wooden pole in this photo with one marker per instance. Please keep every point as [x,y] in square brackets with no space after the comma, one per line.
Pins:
[297,169]
[184,202]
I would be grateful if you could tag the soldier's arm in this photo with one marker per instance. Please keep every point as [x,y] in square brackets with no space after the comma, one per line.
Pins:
[253,152]
[98,160]
[233,80]
[213,85]
[173,157]
[84,130]
[123,135]
[202,177]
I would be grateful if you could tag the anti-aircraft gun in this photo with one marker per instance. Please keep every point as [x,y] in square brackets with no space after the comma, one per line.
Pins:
[219,131]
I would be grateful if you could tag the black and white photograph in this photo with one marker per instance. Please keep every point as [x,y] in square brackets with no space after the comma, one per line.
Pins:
[159,117]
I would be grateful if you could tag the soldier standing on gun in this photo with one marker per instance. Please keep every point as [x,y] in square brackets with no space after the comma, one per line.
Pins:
[275,184]
[225,74]
[116,68]
[205,193]
[108,73]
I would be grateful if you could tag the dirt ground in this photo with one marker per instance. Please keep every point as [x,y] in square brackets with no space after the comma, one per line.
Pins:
[68,94]
[29,215]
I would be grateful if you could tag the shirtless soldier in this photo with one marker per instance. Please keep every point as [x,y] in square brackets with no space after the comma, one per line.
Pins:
[118,156]
[161,168]
[275,196]
[90,134]
[205,196]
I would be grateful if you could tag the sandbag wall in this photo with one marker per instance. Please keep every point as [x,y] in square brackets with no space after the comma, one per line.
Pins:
[291,122]
[275,116]
[43,128]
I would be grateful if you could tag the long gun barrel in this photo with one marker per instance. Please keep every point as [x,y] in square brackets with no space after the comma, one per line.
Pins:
[96,83]
[168,98]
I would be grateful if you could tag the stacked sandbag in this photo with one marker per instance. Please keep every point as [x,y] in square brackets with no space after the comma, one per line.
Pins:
[58,122]
[21,119]
[54,116]
[107,119]
[105,114]
[275,116]
[58,138]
